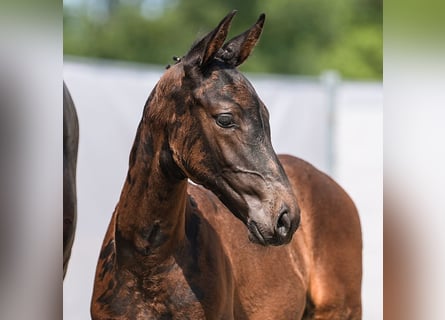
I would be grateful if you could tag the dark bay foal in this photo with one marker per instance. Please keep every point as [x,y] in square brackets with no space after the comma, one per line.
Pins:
[175,250]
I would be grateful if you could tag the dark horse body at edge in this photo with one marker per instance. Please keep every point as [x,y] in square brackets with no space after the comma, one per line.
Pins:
[175,250]
[70,146]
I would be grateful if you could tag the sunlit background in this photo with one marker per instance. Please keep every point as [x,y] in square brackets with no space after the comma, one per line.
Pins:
[317,67]
[301,37]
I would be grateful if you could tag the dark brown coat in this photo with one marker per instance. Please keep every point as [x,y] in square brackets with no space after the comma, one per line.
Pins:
[176,250]
[70,145]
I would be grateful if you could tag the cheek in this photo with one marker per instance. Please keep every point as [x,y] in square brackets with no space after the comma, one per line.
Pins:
[199,167]
[190,152]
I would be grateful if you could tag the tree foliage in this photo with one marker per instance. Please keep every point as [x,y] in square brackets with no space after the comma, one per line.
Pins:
[300,36]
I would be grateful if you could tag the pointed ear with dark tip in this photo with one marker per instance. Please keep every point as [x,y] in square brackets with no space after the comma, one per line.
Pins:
[238,49]
[206,48]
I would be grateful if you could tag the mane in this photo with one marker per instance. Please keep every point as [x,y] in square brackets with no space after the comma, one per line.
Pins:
[223,55]
[136,142]
[176,60]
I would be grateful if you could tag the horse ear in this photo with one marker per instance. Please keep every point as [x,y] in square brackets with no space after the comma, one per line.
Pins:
[206,48]
[238,49]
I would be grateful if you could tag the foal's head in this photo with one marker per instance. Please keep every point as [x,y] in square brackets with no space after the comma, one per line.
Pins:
[218,133]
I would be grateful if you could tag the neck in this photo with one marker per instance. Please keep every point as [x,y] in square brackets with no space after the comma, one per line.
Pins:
[151,210]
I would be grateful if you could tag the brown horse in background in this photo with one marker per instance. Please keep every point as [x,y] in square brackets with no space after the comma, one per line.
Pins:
[175,250]
[70,145]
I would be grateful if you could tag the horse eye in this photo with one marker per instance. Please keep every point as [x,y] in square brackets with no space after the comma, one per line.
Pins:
[225,120]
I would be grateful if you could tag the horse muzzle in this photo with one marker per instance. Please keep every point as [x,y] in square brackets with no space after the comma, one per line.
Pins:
[278,233]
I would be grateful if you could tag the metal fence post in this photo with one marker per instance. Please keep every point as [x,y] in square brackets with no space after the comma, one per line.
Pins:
[330,80]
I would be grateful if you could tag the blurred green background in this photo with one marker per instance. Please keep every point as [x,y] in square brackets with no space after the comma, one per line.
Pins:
[301,37]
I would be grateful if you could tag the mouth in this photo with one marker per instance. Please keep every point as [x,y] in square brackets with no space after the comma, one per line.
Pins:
[254,234]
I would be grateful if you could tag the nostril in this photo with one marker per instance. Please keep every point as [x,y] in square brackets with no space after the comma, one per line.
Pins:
[283,223]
